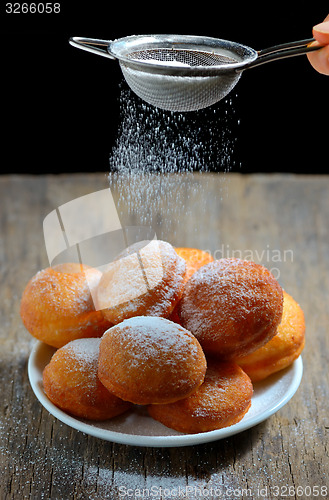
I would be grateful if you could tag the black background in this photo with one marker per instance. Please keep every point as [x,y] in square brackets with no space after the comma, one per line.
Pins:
[60,105]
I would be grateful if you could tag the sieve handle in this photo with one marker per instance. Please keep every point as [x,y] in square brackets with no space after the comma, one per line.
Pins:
[100,47]
[284,50]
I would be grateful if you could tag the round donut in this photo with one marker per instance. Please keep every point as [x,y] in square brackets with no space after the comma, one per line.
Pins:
[283,348]
[57,305]
[71,382]
[232,306]
[222,400]
[194,258]
[149,359]
[146,280]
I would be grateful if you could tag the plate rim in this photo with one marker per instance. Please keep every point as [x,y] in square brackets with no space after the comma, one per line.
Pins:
[157,441]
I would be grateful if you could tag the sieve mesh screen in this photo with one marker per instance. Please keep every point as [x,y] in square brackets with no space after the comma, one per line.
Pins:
[187,57]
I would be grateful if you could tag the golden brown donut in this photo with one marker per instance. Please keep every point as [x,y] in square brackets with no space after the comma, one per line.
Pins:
[57,305]
[194,258]
[222,400]
[70,381]
[146,280]
[232,306]
[283,348]
[148,359]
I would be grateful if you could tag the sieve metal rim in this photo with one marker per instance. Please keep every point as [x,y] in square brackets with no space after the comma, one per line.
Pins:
[122,47]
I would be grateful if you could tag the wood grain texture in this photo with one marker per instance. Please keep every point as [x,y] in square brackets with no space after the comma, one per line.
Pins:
[278,220]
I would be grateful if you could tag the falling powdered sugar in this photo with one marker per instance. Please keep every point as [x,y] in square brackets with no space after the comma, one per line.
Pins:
[156,155]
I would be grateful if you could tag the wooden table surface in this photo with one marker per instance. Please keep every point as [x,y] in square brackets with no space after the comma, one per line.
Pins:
[279,220]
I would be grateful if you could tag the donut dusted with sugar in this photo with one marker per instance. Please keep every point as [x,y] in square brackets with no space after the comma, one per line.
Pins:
[57,304]
[148,360]
[283,348]
[232,306]
[222,400]
[146,279]
[71,382]
[194,259]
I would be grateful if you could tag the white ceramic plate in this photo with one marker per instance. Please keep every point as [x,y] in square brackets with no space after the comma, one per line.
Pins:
[138,429]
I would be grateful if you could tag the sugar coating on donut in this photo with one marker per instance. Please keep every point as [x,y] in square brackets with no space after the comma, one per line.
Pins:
[232,306]
[221,401]
[85,352]
[71,382]
[283,348]
[57,306]
[150,360]
[147,279]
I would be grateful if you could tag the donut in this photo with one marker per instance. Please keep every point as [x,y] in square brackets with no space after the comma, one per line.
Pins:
[57,305]
[146,280]
[71,382]
[232,306]
[149,359]
[194,258]
[283,348]
[222,400]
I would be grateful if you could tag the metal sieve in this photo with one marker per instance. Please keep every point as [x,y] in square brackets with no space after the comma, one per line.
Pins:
[184,72]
